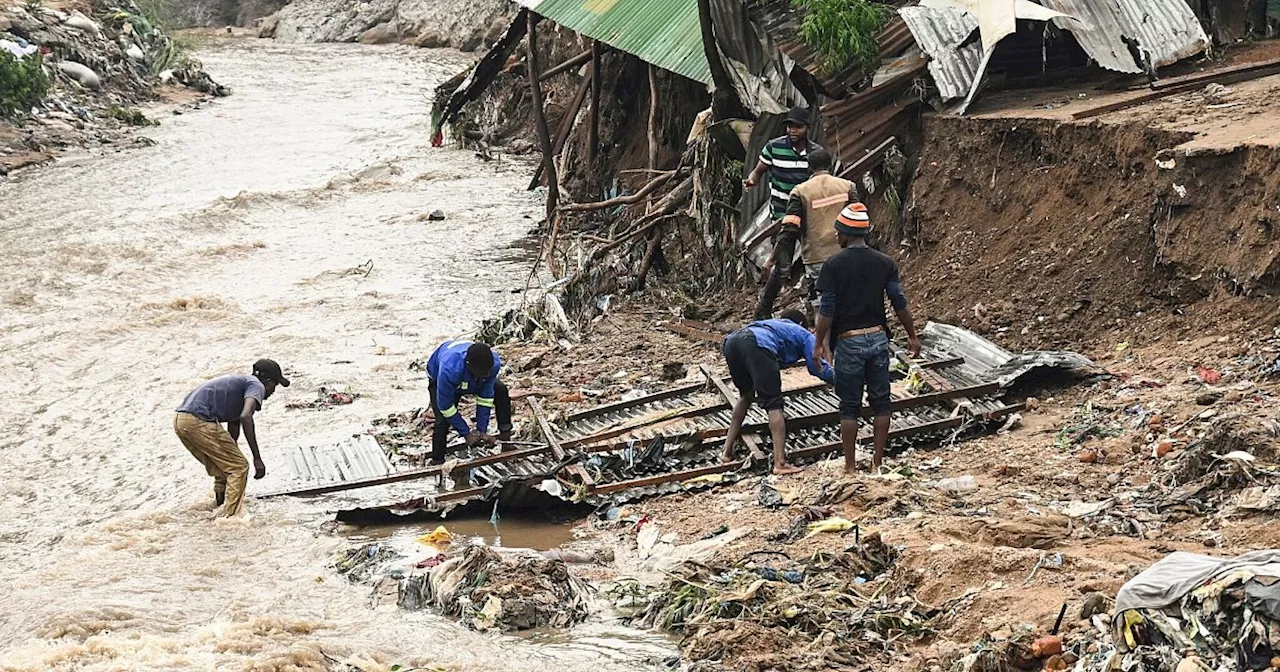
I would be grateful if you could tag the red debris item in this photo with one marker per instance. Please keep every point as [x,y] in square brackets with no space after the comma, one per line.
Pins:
[1209,376]
[1049,645]
[437,139]
[429,562]
[1089,456]
[1162,449]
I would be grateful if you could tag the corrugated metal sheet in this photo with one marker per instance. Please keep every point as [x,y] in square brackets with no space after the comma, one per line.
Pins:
[778,19]
[1167,29]
[354,459]
[671,441]
[940,32]
[665,33]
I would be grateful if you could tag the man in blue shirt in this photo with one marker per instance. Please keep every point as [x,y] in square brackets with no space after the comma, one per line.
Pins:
[755,355]
[459,368]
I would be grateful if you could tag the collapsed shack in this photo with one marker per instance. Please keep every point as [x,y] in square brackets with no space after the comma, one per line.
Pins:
[665,442]
[647,115]
[485,589]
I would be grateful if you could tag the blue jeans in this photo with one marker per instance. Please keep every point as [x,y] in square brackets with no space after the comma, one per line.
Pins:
[862,363]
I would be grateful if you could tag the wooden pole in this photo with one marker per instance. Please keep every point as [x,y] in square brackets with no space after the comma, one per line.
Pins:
[593,132]
[724,98]
[544,139]
[562,131]
[620,200]
[653,117]
[567,65]
[650,254]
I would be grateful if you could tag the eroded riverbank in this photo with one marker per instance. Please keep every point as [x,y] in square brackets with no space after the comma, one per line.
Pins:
[244,232]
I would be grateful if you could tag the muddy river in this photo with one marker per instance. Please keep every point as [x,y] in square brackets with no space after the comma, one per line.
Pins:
[128,278]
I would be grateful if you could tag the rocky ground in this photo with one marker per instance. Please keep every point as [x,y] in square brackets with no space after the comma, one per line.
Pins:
[105,62]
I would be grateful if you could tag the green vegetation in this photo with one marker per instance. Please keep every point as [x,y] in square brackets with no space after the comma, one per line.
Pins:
[33,7]
[844,32]
[23,83]
[131,116]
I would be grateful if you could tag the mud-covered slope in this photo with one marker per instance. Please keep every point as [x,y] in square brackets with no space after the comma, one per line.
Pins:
[463,24]
[1057,233]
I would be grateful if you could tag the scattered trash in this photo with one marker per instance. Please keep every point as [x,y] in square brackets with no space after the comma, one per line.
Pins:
[833,524]
[488,590]
[1209,376]
[1221,611]
[958,485]
[436,216]
[437,537]
[325,399]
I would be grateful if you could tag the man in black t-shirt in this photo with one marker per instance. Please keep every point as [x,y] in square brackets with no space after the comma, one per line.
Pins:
[851,321]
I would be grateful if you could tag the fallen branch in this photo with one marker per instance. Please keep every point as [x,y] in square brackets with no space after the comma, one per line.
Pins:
[621,200]
[665,209]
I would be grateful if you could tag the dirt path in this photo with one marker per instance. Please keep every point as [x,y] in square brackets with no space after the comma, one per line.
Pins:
[130,278]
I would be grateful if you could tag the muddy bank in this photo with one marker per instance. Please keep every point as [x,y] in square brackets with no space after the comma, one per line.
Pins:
[1058,234]
[463,25]
[100,62]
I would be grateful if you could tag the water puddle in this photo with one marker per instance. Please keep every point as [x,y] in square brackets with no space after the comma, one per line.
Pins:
[507,533]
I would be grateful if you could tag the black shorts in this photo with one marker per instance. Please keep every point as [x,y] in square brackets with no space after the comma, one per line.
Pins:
[754,370]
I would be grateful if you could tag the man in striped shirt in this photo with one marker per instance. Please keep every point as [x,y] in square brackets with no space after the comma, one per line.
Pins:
[786,159]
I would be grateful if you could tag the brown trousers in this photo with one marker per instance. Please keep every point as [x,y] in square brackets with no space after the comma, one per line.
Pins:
[210,443]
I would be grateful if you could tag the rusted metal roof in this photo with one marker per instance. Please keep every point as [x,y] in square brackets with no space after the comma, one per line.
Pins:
[672,440]
[665,33]
[779,19]
[940,33]
[1166,29]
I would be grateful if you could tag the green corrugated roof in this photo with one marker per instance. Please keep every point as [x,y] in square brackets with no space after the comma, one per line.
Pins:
[665,33]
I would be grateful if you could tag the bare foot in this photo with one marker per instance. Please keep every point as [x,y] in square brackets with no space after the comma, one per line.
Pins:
[728,456]
[784,469]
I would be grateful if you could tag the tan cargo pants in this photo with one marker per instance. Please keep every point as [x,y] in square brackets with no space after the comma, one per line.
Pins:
[210,443]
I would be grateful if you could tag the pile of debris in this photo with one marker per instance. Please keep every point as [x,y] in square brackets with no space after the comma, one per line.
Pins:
[770,612]
[1195,612]
[99,66]
[491,590]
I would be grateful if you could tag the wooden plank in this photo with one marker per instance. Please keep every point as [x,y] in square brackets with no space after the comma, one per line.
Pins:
[399,477]
[753,443]
[1130,102]
[568,64]
[620,405]
[697,334]
[1255,69]
[684,475]
[553,443]
[683,415]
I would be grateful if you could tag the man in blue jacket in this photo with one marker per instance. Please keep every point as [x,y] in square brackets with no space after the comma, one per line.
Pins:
[755,355]
[459,368]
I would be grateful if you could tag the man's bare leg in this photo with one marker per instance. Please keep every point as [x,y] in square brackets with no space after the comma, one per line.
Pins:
[849,441]
[735,425]
[778,428]
[880,435]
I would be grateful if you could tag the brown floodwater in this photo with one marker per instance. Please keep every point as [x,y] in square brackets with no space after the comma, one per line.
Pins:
[127,278]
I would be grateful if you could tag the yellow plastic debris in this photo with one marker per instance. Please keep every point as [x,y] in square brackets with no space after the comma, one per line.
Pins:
[832,524]
[1122,346]
[437,537]
[916,383]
